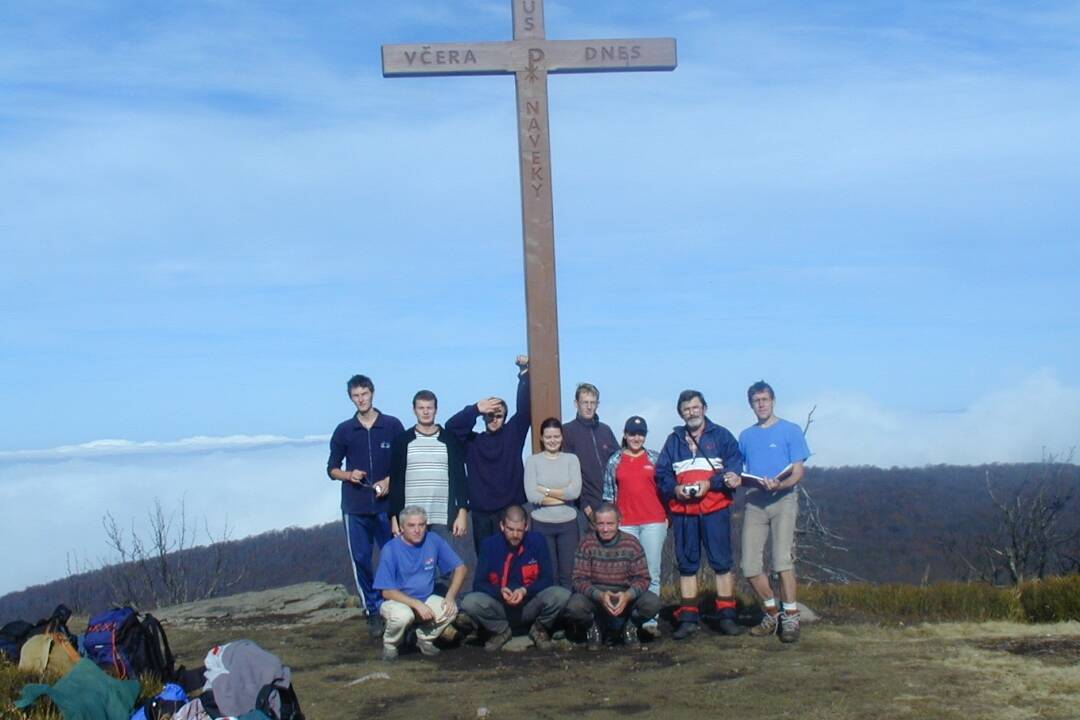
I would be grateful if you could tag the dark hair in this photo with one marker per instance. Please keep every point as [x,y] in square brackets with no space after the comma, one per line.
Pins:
[551,422]
[515,513]
[425,395]
[505,407]
[359,381]
[687,396]
[608,507]
[586,388]
[759,387]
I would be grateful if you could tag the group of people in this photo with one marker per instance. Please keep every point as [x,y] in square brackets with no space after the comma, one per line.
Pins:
[573,534]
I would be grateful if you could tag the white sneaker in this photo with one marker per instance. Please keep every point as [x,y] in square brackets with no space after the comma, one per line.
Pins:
[426,647]
[651,628]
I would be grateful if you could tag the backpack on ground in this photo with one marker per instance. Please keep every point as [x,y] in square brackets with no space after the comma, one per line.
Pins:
[12,637]
[163,705]
[118,641]
[15,633]
[241,677]
[50,651]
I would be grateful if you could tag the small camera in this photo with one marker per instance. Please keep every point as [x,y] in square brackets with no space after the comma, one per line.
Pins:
[692,490]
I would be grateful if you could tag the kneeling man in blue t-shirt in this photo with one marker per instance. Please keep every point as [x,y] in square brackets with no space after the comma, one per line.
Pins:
[408,568]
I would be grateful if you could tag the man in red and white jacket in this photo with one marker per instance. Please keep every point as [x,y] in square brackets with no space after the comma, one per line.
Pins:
[697,473]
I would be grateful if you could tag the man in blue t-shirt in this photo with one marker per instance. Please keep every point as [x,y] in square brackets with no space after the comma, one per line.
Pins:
[774,451]
[408,567]
[362,444]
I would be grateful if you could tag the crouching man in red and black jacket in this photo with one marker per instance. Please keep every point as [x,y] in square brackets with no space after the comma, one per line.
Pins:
[513,586]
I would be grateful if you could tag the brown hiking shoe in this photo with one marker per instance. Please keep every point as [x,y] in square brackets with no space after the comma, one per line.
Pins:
[789,627]
[769,625]
[495,642]
[540,637]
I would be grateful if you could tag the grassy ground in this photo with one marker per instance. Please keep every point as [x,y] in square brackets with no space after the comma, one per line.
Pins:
[944,670]
[988,670]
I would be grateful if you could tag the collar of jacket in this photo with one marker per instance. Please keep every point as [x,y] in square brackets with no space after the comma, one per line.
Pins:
[591,424]
[378,420]
[682,431]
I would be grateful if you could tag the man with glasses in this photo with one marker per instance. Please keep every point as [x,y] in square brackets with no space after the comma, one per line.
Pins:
[493,457]
[593,442]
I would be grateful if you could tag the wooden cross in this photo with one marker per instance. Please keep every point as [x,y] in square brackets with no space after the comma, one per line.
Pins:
[530,57]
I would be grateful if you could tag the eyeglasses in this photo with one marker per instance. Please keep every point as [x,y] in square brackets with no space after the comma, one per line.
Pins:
[492,417]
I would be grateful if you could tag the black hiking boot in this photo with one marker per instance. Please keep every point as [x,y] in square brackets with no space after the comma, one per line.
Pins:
[376,626]
[685,629]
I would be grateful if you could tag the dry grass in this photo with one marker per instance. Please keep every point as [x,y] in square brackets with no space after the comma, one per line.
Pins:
[1052,600]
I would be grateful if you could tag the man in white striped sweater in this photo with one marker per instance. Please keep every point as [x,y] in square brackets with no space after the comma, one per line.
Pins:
[427,469]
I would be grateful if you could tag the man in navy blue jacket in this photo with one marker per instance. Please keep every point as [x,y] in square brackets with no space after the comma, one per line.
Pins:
[514,585]
[493,458]
[363,443]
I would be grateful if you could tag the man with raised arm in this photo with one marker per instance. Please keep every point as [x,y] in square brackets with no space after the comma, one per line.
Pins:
[593,442]
[611,583]
[514,585]
[363,443]
[493,457]
[697,473]
[775,450]
[408,567]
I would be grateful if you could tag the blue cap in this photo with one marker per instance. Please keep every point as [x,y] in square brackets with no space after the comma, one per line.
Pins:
[636,425]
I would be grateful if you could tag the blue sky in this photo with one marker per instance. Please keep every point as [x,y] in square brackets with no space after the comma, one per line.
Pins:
[211,214]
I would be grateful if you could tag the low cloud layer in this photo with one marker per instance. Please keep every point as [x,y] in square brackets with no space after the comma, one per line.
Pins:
[259,483]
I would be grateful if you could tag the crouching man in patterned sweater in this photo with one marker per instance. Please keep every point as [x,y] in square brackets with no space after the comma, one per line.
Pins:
[611,583]
[408,567]
[514,586]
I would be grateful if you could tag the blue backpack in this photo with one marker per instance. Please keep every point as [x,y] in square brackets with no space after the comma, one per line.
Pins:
[118,641]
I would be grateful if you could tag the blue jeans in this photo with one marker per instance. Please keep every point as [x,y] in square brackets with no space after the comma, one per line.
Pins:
[651,536]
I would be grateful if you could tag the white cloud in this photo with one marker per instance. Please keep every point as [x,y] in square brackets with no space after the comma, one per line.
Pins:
[197,444]
[1039,414]
[249,486]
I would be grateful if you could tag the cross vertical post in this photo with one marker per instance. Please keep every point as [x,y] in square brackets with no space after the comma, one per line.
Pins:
[530,57]
[537,220]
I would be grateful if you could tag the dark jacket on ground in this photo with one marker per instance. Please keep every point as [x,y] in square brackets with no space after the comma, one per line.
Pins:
[496,475]
[594,443]
[457,493]
[528,566]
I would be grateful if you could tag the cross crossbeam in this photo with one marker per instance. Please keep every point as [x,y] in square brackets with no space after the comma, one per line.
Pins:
[530,57]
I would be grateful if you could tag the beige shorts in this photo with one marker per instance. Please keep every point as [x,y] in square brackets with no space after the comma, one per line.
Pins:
[758,523]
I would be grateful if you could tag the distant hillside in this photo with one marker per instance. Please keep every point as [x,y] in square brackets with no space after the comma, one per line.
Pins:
[897,524]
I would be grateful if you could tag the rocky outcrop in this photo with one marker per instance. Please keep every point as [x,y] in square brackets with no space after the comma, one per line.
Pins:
[311,602]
